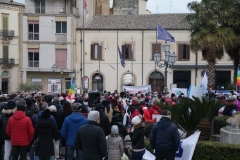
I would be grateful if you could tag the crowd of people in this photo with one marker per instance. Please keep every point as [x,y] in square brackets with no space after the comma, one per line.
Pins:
[111,128]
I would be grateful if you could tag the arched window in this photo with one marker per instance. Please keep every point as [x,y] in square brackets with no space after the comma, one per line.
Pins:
[97,82]
[128,80]
[5,73]
[156,80]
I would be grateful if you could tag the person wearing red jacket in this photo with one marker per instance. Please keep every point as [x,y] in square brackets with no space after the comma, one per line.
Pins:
[21,131]
[155,111]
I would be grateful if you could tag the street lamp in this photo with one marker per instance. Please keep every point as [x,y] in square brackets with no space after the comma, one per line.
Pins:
[53,81]
[170,59]
[61,72]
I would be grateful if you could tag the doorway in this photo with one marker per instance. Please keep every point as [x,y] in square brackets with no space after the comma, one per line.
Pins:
[4,85]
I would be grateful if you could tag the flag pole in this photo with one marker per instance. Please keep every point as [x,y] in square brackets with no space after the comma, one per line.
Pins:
[132,58]
[117,61]
[98,62]
[83,30]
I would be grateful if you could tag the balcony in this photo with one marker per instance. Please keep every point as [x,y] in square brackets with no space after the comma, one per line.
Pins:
[7,34]
[7,63]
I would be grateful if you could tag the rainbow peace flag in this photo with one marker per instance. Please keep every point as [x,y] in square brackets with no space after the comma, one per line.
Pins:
[71,92]
[238,77]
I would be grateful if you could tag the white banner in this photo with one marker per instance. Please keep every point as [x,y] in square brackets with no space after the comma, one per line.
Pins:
[178,91]
[195,91]
[136,89]
[187,147]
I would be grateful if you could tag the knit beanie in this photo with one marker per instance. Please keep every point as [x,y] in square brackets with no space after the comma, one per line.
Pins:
[114,129]
[136,120]
[166,113]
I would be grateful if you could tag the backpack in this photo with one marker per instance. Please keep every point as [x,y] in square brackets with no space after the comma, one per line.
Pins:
[135,113]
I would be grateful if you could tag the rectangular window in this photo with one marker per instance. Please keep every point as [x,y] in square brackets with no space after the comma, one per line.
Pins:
[183,52]
[39,6]
[33,31]
[5,54]
[5,23]
[61,58]
[156,47]
[61,27]
[127,52]
[96,52]
[33,57]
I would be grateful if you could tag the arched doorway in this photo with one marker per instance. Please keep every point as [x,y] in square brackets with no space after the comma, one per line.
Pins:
[5,77]
[156,80]
[97,82]
[128,80]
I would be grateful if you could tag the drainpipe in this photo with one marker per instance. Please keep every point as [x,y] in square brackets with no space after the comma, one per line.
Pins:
[142,54]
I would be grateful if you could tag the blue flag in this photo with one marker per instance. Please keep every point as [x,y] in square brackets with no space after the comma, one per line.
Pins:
[121,58]
[162,34]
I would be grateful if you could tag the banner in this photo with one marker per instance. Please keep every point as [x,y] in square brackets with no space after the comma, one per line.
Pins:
[136,89]
[178,91]
[195,91]
[204,84]
[187,147]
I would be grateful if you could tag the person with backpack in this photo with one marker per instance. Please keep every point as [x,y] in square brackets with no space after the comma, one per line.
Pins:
[164,137]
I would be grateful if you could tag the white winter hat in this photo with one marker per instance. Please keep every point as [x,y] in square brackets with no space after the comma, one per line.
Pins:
[52,108]
[137,120]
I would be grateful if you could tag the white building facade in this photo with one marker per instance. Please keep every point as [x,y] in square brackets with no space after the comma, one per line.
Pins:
[136,37]
[10,75]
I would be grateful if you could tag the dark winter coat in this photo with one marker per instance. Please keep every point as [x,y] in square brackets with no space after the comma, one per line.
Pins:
[47,131]
[164,135]
[6,115]
[62,117]
[228,109]
[104,123]
[92,141]
[137,137]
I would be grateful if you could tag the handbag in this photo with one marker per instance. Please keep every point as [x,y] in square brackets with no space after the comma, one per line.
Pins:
[130,148]
[35,143]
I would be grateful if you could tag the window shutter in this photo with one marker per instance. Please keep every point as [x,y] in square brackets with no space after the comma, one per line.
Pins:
[188,51]
[5,52]
[180,52]
[130,52]
[123,52]
[153,51]
[5,23]
[92,52]
[100,52]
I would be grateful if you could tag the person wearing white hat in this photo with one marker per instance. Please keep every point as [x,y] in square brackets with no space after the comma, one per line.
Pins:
[137,138]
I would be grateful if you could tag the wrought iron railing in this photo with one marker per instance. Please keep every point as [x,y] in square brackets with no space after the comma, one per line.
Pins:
[6,61]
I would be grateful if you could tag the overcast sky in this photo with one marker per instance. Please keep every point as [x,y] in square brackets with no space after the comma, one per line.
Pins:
[162,6]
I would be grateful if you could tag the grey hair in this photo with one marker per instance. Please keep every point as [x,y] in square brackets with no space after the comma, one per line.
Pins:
[93,116]
[155,101]
[55,100]
[44,106]
[76,106]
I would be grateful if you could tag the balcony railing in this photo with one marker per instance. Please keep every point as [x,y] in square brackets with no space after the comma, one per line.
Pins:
[33,64]
[39,9]
[5,61]
[6,34]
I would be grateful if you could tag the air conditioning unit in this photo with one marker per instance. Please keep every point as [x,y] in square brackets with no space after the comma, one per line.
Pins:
[61,10]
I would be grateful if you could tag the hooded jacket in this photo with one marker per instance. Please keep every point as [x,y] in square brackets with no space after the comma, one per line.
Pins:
[164,135]
[71,125]
[20,129]
[115,147]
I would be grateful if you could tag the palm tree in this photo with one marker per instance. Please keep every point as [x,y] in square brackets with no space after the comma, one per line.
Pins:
[208,35]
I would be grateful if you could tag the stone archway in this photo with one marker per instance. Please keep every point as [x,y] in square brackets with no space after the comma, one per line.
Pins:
[156,80]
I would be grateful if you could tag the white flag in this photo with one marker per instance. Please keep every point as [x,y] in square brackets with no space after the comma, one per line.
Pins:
[187,147]
[204,83]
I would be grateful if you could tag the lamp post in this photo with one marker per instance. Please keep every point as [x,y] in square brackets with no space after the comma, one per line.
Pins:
[61,72]
[170,59]
[54,69]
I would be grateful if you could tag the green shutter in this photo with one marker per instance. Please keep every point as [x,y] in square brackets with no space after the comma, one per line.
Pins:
[5,23]
[5,52]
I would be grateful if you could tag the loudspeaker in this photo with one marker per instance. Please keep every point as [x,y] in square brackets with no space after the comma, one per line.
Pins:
[91,97]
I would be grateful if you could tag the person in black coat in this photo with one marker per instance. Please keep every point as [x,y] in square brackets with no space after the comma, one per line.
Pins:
[46,131]
[137,138]
[91,139]
[104,121]
[230,107]
[164,137]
